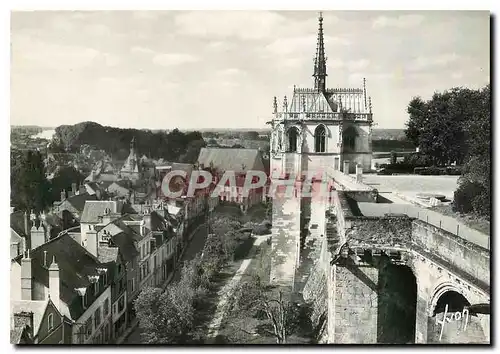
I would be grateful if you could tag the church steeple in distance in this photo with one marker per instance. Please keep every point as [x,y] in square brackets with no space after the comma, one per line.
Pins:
[320,60]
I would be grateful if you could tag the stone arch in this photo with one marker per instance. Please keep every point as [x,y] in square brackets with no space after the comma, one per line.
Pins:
[462,326]
[440,290]
[293,138]
[320,135]
[397,303]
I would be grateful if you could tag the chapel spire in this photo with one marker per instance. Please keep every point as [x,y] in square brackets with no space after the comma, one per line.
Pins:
[320,60]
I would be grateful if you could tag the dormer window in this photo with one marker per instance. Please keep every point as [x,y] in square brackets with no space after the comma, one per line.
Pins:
[50,321]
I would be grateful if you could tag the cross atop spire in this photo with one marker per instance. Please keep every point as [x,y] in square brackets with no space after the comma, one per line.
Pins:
[320,60]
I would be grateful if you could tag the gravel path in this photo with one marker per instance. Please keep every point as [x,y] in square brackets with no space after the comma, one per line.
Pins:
[228,289]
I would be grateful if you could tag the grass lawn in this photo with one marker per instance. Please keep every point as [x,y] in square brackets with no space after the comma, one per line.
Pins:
[474,222]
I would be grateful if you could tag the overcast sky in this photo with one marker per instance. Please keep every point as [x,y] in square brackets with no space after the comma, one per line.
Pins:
[166,69]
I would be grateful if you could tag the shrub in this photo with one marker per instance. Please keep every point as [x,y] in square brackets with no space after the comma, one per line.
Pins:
[467,196]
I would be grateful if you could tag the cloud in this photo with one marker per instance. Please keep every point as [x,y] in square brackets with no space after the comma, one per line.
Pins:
[402,21]
[141,50]
[423,62]
[246,25]
[301,46]
[51,55]
[111,60]
[98,30]
[173,59]
[358,64]
[146,15]
[231,72]
[356,79]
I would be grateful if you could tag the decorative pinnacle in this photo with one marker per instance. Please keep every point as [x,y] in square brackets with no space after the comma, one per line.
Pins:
[364,91]
[285,104]
[370,103]
[320,60]
[275,105]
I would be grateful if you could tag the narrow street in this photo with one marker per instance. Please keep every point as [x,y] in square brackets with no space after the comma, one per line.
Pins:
[194,247]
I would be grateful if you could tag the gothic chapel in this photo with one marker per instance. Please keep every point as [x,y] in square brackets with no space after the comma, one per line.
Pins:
[320,127]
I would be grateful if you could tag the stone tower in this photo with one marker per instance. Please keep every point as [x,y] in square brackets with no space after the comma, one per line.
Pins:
[321,126]
[316,130]
[131,169]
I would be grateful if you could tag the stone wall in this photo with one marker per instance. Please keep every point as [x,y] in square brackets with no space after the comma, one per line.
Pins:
[285,241]
[356,305]
[466,256]
[315,294]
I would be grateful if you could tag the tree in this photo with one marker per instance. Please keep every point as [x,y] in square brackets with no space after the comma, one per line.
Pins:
[281,315]
[250,135]
[474,192]
[63,179]
[165,317]
[192,151]
[438,126]
[30,189]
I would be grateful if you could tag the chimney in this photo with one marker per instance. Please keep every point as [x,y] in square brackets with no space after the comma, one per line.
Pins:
[26,224]
[15,250]
[54,284]
[22,319]
[92,176]
[73,188]
[63,195]
[92,242]
[148,219]
[37,236]
[26,282]
[142,227]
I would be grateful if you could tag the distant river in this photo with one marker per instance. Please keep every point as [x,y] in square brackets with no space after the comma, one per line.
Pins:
[46,134]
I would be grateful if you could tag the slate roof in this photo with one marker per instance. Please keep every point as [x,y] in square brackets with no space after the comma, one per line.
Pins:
[17,222]
[315,102]
[78,201]
[122,183]
[16,334]
[94,209]
[124,238]
[237,160]
[75,263]
[36,307]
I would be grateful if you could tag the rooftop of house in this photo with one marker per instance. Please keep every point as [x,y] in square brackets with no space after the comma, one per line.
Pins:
[236,160]
[78,201]
[16,334]
[124,183]
[124,238]
[76,266]
[17,223]
[94,209]
[35,307]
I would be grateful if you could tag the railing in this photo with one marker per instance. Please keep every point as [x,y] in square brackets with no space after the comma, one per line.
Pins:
[323,116]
